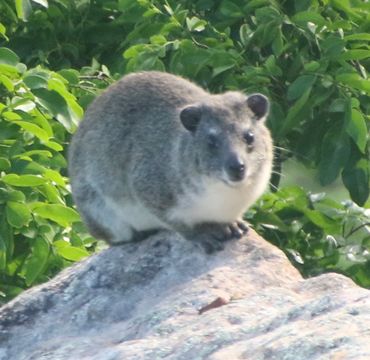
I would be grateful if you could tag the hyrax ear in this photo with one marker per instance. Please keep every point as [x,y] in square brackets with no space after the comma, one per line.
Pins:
[259,104]
[190,117]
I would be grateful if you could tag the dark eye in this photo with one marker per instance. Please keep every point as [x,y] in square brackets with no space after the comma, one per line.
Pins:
[249,138]
[212,141]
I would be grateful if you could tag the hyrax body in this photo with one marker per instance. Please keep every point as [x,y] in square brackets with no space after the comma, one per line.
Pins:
[156,151]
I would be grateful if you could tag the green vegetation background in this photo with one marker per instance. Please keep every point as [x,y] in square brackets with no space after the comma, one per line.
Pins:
[311,58]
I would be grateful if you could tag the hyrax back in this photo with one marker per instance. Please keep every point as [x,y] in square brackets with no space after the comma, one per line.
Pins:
[156,151]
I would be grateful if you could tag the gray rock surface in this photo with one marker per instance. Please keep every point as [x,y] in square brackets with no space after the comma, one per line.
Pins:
[142,301]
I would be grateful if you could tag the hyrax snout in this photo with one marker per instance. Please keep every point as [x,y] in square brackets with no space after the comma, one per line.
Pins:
[156,151]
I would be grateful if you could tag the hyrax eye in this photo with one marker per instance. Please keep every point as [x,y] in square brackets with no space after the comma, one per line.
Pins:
[249,138]
[212,141]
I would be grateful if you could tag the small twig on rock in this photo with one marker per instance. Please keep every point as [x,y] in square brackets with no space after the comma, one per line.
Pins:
[220,301]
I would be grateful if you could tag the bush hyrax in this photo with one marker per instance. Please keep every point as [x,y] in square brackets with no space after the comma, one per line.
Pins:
[157,151]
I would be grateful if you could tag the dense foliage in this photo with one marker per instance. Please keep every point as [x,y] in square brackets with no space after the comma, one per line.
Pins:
[309,57]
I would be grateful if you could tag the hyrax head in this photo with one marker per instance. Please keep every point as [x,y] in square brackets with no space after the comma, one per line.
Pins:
[229,140]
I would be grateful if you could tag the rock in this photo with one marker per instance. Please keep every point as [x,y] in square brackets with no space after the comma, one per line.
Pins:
[164,298]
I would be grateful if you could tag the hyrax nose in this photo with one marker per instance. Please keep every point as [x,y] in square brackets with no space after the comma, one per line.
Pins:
[235,168]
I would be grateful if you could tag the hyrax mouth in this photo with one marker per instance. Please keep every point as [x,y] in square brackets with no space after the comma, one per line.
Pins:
[233,181]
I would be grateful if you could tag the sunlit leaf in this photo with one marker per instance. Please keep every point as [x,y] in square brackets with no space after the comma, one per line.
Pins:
[33,129]
[43,3]
[61,214]
[23,8]
[72,253]
[23,180]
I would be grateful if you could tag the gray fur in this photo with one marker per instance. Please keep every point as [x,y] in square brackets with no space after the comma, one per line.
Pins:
[137,164]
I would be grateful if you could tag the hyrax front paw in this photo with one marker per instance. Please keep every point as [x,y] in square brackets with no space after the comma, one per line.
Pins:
[238,229]
[212,237]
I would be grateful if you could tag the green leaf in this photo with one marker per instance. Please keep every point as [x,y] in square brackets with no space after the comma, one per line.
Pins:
[3,251]
[356,178]
[3,195]
[230,10]
[345,6]
[8,69]
[8,194]
[3,32]
[267,13]
[158,40]
[25,105]
[74,108]
[300,86]
[30,153]
[356,128]
[55,177]
[36,81]
[269,33]
[43,3]
[33,129]
[8,57]
[304,17]
[333,47]
[51,193]
[321,220]
[23,180]
[278,42]
[221,62]
[312,66]
[17,214]
[271,66]
[244,34]
[338,105]
[23,8]
[355,55]
[57,105]
[16,195]
[271,220]
[195,24]
[53,145]
[189,59]
[39,119]
[7,233]
[71,75]
[21,68]
[253,4]
[72,253]
[8,84]
[359,36]
[293,114]
[35,264]
[133,51]
[354,80]
[61,214]
[335,150]
[11,116]
[4,164]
